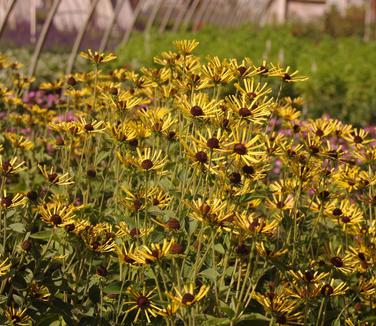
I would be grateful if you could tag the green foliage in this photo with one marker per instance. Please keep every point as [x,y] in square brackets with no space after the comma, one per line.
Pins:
[341,83]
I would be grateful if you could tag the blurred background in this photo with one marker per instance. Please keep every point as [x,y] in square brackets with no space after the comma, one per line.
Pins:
[331,41]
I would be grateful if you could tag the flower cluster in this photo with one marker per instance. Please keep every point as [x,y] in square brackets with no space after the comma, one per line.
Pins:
[191,192]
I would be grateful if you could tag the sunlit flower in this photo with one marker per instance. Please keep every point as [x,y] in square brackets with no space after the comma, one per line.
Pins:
[54,178]
[97,57]
[143,302]
[188,296]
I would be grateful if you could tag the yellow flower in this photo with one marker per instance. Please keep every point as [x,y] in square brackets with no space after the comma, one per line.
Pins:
[10,201]
[187,295]
[57,213]
[244,147]
[120,132]
[54,178]
[19,141]
[5,266]
[96,57]
[142,301]
[333,288]
[85,127]
[11,167]
[18,316]
[149,160]
[156,251]
[286,75]
[135,233]
[199,106]
[210,211]
[186,47]
[216,72]
[250,224]
[252,89]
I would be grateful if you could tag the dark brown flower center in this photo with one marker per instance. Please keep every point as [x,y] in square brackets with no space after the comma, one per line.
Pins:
[56,219]
[6,166]
[134,233]
[309,275]
[286,76]
[345,219]
[196,111]
[263,69]
[225,123]
[26,245]
[89,127]
[337,212]
[147,164]
[173,224]
[324,195]
[201,156]
[314,149]
[235,177]
[296,128]
[7,201]
[71,81]
[176,249]
[248,169]
[336,261]
[327,290]
[205,209]
[245,112]
[242,70]
[358,139]
[361,256]
[155,253]
[213,143]
[187,298]
[143,302]
[137,204]
[240,149]
[113,91]
[53,178]
[128,259]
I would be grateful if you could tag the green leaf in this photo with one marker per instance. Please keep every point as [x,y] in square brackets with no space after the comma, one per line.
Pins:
[253,316]
[94,294]
[215,321]
[219,248]
[101,156]
[210,273]
[19,282]
[17,227]
[228,311]
[47,320]
[41,235]
[192,227]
